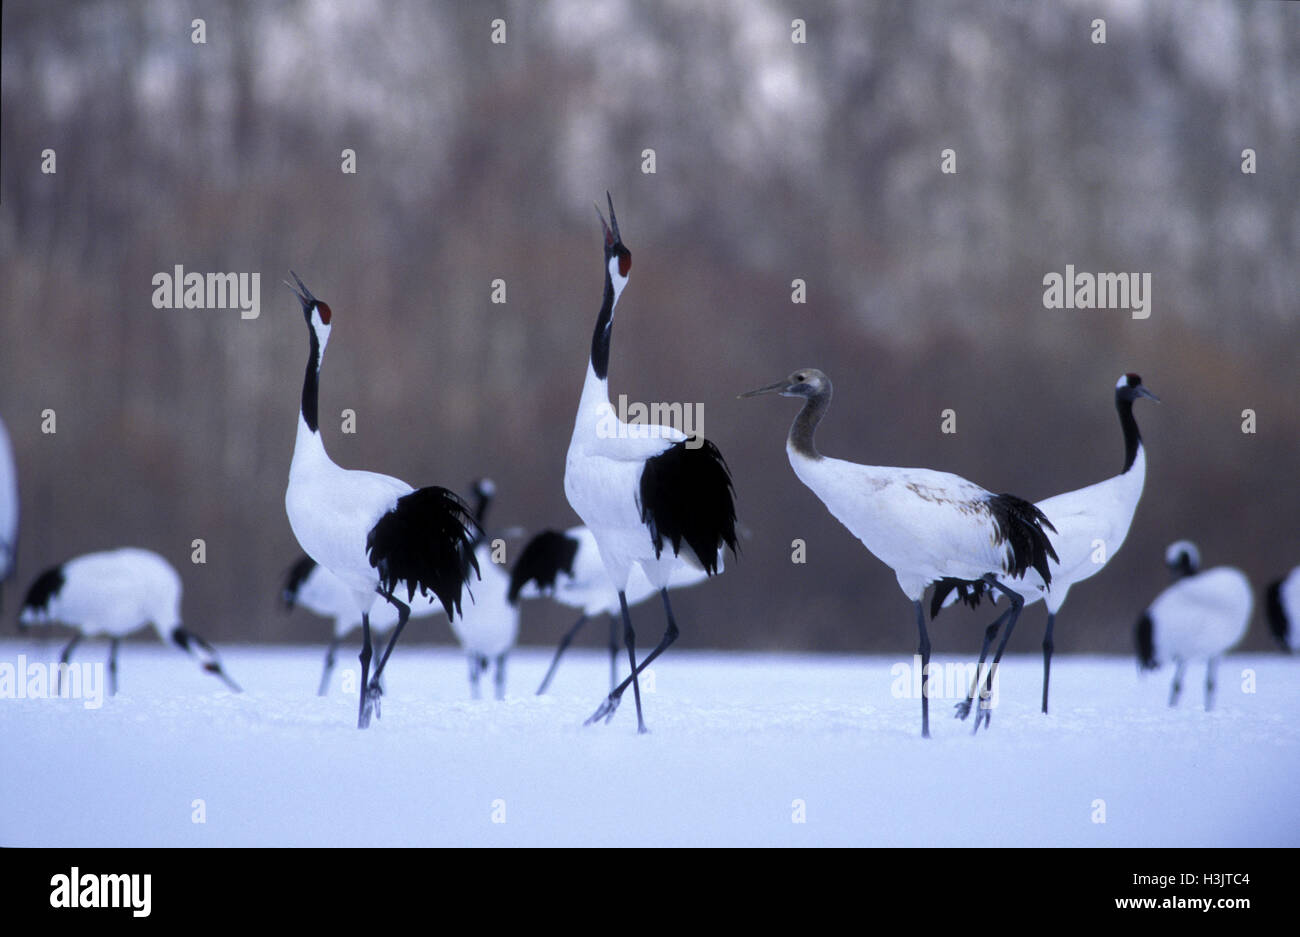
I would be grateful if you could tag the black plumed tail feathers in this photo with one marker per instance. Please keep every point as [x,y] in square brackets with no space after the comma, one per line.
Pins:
[686,494]
[1020,524]
[1023,527]
[427,542]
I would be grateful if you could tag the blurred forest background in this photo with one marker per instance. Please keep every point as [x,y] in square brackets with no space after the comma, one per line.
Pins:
[774,161]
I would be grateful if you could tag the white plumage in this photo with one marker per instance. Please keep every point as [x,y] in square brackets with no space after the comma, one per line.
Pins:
[1200,617]
[113,594]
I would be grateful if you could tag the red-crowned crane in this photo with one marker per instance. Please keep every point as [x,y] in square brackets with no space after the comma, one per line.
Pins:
[1200,617]
[115,593]
[374,532]
[651,497]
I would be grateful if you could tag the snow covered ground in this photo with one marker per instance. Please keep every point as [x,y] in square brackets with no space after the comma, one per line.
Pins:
[741,746]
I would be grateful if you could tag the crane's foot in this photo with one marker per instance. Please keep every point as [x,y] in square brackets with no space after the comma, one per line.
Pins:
[962,709]
[984,713]
[605,711]
[373,695]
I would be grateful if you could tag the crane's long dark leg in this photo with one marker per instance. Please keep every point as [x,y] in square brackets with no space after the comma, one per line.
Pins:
[1047,655]
[1179,667]
[375,690]
[1211,666]
[501,676]
[329,667]
[606,709]
[475,669]
[613,653]
[670,635]
[363,710]
[63,662]
[923,649]
[564,644]
[986,706]
[963,708]
[112,666]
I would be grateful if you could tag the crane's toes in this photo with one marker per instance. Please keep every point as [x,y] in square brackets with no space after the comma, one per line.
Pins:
[605,711]
[984,714]
[962,709]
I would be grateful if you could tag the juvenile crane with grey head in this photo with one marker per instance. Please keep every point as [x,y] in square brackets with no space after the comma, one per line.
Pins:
[925,525]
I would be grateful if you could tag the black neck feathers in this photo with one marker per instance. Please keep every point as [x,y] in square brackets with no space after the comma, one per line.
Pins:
[604,327]
[1132,438]
[311,383]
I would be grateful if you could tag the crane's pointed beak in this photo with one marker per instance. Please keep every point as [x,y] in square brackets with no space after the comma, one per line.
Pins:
[613,219]
[769,389]
[1143,392]
[611,237]
[304,295]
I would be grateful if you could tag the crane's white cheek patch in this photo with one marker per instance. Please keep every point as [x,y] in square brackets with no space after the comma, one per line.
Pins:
[24,679]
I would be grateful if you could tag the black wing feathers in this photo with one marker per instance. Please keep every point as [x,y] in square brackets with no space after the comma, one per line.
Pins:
[427,542]
[541,561]
[686,494]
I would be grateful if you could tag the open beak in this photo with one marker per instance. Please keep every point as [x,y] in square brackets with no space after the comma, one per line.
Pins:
[611,236]
[304,295]
[769,389]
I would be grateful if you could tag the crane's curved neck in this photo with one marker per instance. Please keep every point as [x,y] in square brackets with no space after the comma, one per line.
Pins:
[480,512]
[480,508]
[604,329]
[311,383]
[1132,438]
[805,425]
